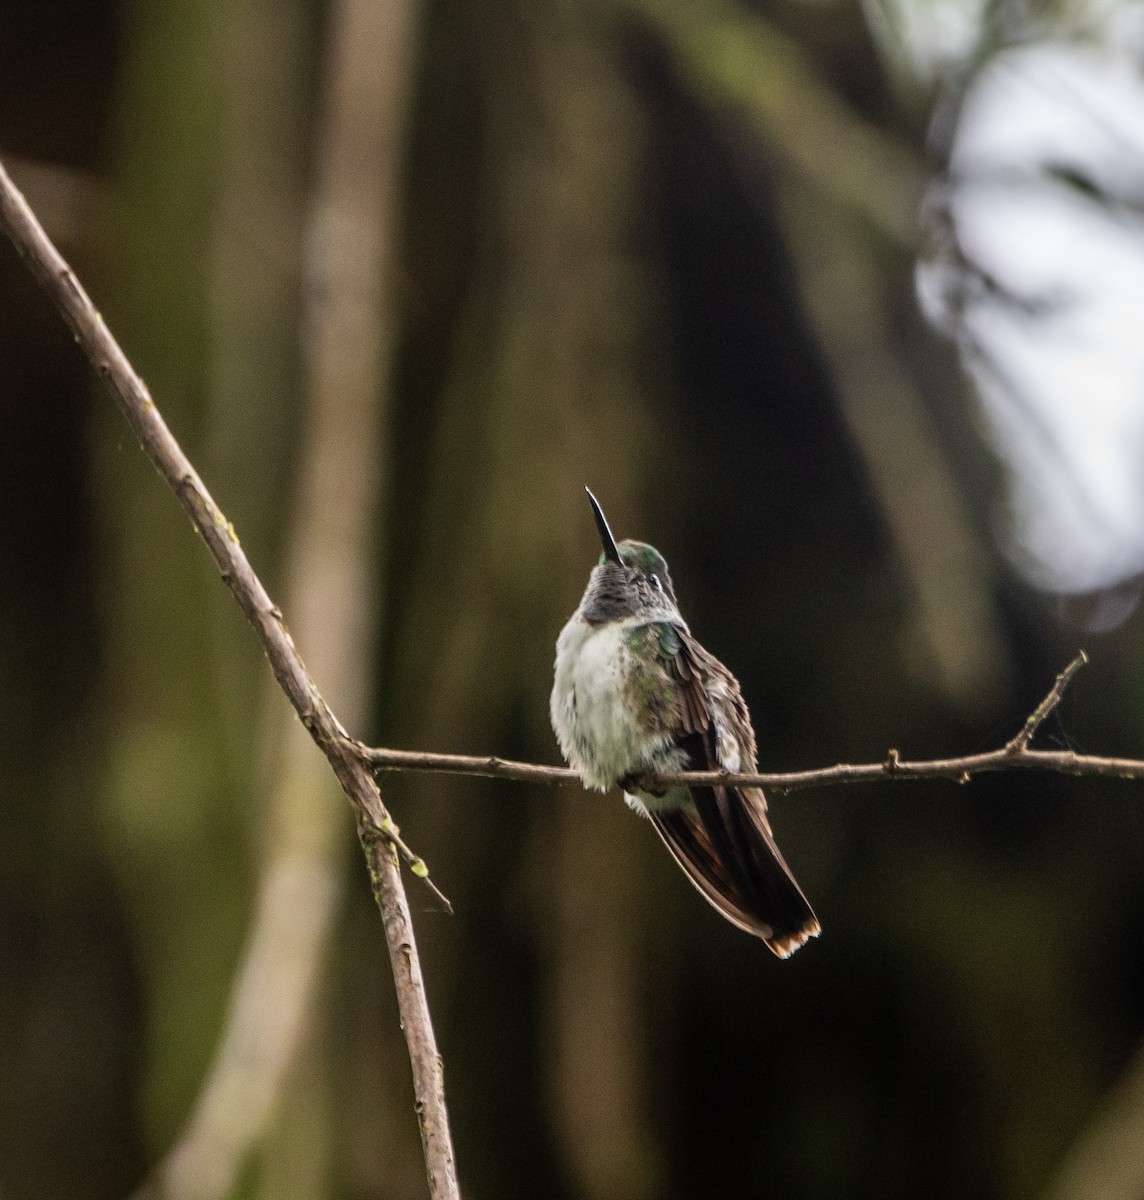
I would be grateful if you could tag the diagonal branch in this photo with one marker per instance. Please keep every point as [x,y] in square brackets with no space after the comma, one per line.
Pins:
[1037,717]
[377,831]
[1015,754]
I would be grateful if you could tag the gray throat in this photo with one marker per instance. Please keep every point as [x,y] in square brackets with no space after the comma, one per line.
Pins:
[609,596]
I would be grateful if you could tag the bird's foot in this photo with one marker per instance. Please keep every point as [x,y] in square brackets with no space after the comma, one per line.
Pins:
[635,783]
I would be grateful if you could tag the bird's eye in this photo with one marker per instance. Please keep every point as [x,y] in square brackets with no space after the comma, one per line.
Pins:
[653,579]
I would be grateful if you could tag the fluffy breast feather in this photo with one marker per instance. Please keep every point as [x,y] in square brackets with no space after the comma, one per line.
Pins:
[607,720]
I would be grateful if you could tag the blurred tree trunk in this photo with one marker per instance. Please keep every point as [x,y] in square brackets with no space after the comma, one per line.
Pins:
[251,361]
[334,585]
[329,593]
[172,768]
[953,643]
[841,177]
[254,300]
[550,383]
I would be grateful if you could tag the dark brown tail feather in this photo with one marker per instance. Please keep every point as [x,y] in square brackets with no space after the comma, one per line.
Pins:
[726,849]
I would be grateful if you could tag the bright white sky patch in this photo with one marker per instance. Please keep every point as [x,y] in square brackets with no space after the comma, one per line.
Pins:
[1042,281]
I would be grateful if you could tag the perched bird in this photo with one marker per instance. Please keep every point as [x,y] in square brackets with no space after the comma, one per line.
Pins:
[634,694]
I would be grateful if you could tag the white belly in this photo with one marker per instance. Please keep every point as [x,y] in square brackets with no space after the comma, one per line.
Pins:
[594,725]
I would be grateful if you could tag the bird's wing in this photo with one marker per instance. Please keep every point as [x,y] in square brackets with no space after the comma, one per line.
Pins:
[724,844]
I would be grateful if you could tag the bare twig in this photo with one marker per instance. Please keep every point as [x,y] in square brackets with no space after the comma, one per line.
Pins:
[960,770]
[480,765]
[379,836]
[1014,754]
[1036,719]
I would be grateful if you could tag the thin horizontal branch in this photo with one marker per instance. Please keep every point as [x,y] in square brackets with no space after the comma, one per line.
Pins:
[480,765]
[1014,755]
[893,766]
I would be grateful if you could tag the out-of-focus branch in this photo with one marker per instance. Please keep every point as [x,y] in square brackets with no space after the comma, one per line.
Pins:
[293,910]
[1014,755]
[1107,1161]
[378,833]
[740,62]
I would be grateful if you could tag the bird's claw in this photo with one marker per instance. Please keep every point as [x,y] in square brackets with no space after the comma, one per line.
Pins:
[636,782]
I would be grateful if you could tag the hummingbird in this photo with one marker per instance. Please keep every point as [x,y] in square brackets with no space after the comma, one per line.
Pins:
[635,694]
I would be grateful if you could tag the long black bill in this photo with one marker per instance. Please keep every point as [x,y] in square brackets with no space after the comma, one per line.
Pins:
[611,551]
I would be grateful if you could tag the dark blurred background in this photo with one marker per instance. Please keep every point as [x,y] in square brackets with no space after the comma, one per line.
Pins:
[837,305]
